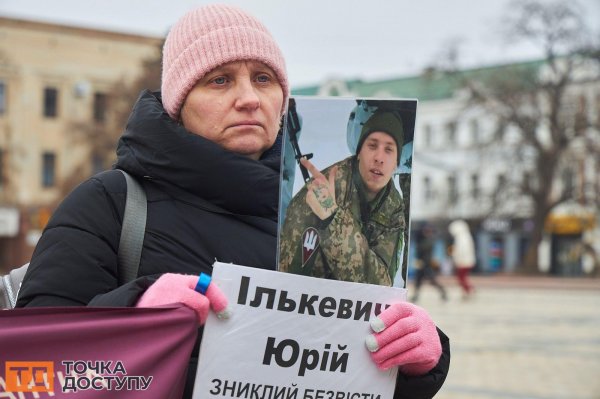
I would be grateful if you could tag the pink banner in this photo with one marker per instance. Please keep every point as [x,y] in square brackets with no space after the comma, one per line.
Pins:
[80,352]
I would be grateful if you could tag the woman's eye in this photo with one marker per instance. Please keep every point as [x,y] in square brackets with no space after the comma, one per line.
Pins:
[221,80]
[263,78]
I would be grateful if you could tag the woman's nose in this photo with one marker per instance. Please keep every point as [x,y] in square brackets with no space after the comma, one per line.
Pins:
[247,97]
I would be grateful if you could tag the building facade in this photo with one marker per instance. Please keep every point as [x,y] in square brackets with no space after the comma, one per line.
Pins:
[55,83]
[463,170]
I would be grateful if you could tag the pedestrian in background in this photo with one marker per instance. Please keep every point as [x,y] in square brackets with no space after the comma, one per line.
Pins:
[462,252]
[424,265]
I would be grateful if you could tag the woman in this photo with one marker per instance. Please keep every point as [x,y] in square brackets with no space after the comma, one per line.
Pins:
[463,254]
[207,152]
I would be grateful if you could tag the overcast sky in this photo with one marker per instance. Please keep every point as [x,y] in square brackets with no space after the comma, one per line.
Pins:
[323,39]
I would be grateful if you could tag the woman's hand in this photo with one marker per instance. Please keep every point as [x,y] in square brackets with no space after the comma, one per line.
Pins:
[320,192]
[405,336]
[179,288]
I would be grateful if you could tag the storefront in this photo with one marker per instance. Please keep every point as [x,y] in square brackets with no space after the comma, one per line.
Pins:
[567,243]
[501,243]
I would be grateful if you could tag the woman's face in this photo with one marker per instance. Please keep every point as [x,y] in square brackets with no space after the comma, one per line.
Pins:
[238,106]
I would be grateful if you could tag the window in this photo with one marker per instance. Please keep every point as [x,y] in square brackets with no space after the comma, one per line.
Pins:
[428,135]
[452,190]
[475,191]
[50,102]
[1,168]
[500,130]
[48,169]
[428,190]
[451,132]
[100,107]
[580,120]
[500,182]
[568,178]
[526,182]
[475,137]
[2,97]
[597,108]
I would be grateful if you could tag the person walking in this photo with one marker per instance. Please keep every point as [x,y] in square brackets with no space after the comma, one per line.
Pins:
[425,239]
[462,253]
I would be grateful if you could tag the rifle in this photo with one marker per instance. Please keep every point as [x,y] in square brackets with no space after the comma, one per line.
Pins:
[293,124]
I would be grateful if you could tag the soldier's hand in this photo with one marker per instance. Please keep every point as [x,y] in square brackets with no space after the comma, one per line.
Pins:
[320,192]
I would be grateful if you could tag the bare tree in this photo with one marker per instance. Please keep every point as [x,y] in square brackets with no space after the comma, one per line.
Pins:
[546,110]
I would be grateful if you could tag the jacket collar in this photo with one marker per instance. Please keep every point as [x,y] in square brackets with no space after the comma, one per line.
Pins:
[158,148]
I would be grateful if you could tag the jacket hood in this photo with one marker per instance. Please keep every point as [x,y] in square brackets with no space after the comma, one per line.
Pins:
[157,148]
[459,228]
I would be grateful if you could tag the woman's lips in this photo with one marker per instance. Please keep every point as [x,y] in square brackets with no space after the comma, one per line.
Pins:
[246,123]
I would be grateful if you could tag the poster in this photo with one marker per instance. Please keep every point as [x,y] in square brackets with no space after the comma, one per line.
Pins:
[292,336]
[345,214]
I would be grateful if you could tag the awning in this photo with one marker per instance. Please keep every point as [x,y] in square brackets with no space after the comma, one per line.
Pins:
[570,224]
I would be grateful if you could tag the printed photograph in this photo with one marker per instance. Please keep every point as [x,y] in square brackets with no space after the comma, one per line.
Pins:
[345,192]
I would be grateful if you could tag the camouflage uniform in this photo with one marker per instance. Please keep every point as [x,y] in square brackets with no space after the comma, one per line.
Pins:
[344,247]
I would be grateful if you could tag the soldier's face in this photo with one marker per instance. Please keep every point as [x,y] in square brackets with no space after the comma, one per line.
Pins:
[237,106]
[377,162]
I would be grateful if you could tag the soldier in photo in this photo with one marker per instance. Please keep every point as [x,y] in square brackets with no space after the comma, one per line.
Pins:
[347,223]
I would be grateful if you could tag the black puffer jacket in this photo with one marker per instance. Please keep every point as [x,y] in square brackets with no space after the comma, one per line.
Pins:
[204,203]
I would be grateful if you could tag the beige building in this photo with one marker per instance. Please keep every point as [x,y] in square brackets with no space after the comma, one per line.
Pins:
[54,84]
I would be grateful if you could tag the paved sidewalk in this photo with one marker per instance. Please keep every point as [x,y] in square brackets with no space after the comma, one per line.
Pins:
[520,338]
[517,281]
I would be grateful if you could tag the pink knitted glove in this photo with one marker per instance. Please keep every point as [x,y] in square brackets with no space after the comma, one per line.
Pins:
[180,288]
[405,336]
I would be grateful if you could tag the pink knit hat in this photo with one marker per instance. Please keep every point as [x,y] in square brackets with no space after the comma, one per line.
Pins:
[208,37]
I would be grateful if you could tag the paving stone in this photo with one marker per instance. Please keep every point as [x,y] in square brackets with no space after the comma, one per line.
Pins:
[537,339]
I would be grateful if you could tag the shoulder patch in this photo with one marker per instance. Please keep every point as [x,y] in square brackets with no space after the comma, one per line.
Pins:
[310,243]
